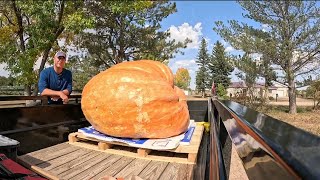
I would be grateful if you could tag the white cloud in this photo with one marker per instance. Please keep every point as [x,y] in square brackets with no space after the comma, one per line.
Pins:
[185,63]
[229,49]
[223,42]
[3,72]
[185,31]
[227,46]
[264,27]
[188,64]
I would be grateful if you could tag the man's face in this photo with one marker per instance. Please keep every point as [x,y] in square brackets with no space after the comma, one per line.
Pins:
[59,62]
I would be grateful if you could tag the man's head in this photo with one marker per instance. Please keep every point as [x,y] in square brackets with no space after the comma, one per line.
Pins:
[59,59]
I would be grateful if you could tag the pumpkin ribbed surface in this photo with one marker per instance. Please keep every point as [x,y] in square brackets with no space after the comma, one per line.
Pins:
[136,99]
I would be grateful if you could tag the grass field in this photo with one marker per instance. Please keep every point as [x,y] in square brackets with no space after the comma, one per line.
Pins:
[306,118]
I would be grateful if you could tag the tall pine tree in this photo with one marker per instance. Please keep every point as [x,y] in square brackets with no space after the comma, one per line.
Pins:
[220,66]
[290,39]
[249,73]
[202,78]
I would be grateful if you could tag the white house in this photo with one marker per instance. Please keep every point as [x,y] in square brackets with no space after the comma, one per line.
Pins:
[281,90]
[237,88]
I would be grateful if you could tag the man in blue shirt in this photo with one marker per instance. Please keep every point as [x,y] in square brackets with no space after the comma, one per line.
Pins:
[56,82]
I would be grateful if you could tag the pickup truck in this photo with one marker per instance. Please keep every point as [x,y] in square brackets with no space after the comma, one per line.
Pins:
[264,147]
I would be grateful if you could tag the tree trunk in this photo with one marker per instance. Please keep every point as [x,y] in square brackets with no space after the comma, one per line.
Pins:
[20,26]
[266,94]
[43,62]
[36,90]
[27,90]
[292,97]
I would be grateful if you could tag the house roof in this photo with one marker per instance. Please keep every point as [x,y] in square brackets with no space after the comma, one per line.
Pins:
[243,85]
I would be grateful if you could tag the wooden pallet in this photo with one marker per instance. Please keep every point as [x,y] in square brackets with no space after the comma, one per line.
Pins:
[182,154]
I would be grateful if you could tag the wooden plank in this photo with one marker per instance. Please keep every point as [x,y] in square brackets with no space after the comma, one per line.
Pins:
[104,146]
[13,98]
[72,137]
[97,168]
[65,158]
[132,169]
[74,163]
[60,152]
[153,170]
[33,159]
[177,171]
[143,152]
[39,157]
[189,171]
[192,157]
[38,170]
[171,171]
[82,167]
[50,149]
[194,143]
[154,155]
[115,168]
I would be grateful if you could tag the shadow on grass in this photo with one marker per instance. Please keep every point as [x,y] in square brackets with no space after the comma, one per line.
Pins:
[282,108]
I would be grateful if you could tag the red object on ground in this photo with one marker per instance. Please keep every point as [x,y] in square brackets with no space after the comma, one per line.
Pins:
[12,170]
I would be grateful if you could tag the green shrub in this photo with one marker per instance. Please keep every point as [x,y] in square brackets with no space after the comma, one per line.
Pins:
[221,91]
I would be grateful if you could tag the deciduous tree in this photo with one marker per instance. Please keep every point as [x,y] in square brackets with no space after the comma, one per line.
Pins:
[221,90]
[291,39]
[314,91]
[129,30]
[182,78]
[29,30]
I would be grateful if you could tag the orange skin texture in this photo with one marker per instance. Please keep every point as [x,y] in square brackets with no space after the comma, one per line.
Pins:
[136,100]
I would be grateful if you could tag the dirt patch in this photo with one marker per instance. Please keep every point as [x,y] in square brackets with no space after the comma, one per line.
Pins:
[308,120]
[300,102]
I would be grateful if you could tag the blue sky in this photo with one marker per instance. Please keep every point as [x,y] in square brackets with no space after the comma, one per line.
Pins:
[194,20]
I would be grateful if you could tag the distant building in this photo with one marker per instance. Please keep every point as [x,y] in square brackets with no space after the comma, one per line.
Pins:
[237,88]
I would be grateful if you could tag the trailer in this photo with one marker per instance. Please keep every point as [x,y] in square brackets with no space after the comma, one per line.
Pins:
[260,146]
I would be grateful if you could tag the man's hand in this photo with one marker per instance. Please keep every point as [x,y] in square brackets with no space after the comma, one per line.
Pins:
[55,98]
[66,92]
[64,97]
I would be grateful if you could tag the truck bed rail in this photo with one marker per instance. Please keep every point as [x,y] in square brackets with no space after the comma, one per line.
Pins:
[268,148]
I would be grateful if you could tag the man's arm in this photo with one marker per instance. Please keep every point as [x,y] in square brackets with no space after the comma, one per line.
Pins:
[55,94]
[45,91]
[50,92]
[68,89]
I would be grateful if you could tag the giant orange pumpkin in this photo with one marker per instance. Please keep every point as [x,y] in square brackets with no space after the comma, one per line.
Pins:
[136,99]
